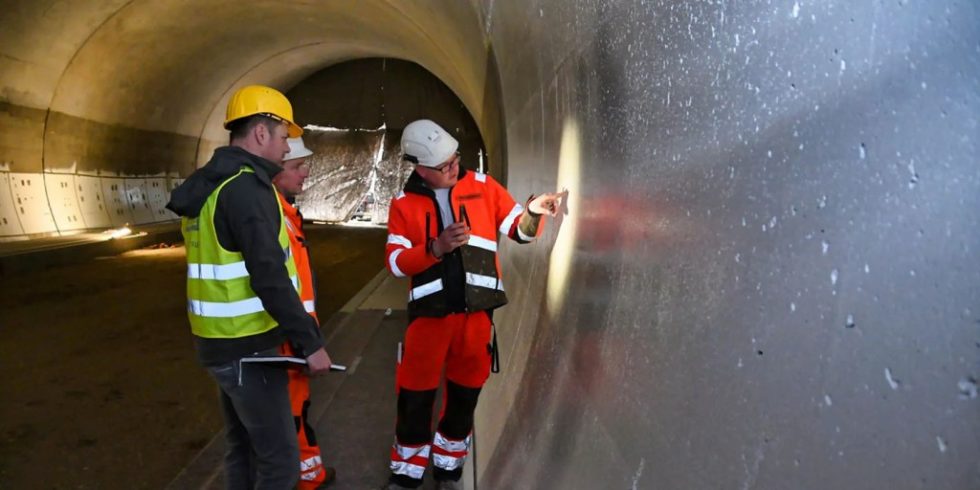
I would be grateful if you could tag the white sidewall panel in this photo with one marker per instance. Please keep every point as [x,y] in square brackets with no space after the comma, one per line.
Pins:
[158,196]
[91,202]
[114,191]
[63,201]
[139,203]
[9,223]
[31,203]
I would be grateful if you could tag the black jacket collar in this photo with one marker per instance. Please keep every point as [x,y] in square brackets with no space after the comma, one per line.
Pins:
[189,197]
[417,185]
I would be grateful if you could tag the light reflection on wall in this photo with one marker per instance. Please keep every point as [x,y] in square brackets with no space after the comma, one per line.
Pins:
[569,175]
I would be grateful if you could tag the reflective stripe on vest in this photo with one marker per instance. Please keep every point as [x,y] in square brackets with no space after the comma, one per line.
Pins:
[425,290]
[220,299]
[482,281]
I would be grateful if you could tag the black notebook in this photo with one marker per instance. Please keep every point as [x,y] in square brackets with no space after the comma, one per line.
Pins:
[287,362]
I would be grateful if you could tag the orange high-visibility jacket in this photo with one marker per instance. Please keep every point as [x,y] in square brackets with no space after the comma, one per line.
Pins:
[468,279]
[301,255]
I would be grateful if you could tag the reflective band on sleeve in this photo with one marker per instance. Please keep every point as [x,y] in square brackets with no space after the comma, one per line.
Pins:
[483,243]
[408,469]
[309,476]
[509,220]
[219,272]
[425,290]
[480,177]
[224,310]
[524,237]
[399,240]
[400,195]
[484,281]
[309,306]
[392,261]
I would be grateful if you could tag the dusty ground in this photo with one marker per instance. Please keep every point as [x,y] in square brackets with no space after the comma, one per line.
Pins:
[100,386]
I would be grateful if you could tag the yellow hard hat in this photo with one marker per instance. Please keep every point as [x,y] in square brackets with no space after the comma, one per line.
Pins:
[267,101]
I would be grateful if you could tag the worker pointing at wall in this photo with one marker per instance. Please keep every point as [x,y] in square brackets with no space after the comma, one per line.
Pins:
[242,288]
[289,183]
[442,233]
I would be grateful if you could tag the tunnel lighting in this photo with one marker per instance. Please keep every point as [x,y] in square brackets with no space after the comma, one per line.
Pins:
[569,174]
[117,232]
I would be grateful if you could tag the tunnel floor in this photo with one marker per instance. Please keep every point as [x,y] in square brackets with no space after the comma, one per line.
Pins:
[101,387]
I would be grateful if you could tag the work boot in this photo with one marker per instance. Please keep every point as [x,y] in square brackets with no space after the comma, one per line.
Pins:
[331,475]
[449,485]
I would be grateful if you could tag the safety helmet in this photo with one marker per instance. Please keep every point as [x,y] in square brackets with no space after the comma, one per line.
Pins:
[296,149]
[426,143]
[259,99]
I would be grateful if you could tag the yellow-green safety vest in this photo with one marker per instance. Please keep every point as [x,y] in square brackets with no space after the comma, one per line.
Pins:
[220,300]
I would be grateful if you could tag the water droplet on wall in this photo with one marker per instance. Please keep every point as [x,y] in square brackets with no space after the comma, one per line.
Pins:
[968,388]
[892,382]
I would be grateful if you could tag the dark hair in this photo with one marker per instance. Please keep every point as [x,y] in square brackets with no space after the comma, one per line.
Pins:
[240,128]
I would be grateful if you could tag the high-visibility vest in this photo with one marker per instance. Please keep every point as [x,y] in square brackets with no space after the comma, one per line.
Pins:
[220,299]
[301,254]
[414,220]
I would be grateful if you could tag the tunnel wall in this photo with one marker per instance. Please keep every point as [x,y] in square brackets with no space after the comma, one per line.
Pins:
[767,274]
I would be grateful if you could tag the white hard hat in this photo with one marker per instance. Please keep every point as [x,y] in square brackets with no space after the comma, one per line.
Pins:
[296,149]
[426,143]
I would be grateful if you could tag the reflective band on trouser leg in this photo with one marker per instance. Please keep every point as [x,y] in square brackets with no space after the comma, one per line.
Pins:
[449,454]
[309,306]
[409,460]
[310,469]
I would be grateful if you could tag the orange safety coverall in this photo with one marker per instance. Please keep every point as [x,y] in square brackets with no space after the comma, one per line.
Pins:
[312,473]
[449,302]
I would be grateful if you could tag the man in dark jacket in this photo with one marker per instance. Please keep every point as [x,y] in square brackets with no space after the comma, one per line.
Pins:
[242,288]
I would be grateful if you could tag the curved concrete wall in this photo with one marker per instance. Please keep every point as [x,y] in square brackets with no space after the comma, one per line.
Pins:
[138,88]
[767,273]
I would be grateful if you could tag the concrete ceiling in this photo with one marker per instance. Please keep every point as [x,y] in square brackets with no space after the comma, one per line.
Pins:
[164,65]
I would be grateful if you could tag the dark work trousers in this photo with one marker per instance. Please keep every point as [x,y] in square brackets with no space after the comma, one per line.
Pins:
[261,450]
